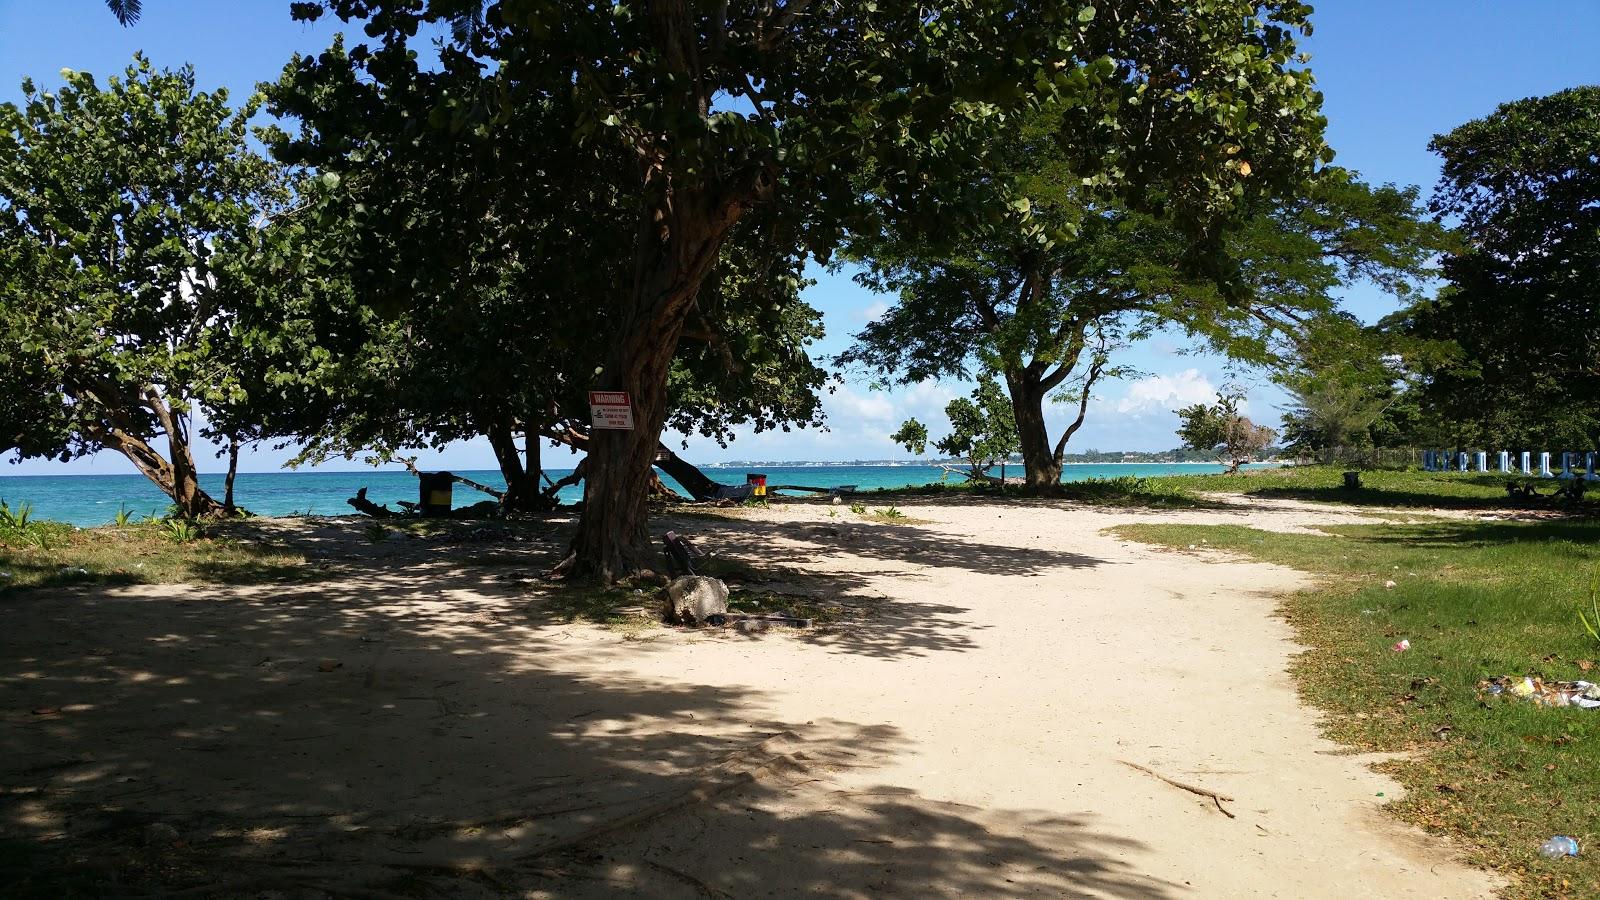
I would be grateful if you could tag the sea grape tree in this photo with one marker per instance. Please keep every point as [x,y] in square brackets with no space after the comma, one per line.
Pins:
[127,214]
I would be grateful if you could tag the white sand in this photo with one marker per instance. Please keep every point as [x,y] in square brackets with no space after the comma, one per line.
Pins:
[965,741]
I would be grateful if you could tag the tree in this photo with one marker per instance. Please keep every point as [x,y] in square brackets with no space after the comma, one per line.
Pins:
[1220,430]
[1524,184]
[981,430]
[1048,313]
[491,291]
[125,214]
[725,108]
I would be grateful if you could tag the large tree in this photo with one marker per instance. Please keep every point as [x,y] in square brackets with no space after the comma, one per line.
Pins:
[722,107]
[493,284]
[1519,321]
[1047,310]
[127,212]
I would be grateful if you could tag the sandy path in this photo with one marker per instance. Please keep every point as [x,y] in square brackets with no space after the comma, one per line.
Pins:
[965,742]
[1049,652]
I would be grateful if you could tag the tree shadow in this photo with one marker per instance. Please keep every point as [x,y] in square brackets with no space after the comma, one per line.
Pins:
[410,731]
[1581,536]
[1372,496]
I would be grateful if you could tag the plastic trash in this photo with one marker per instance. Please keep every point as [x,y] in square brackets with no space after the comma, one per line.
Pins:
[1581,694]
[1402,646]
[1558,846]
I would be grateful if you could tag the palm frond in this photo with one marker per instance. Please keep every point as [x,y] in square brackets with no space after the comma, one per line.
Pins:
[126,11]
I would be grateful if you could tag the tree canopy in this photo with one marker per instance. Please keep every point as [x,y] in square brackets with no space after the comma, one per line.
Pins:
[1048,314]
[1524,184]
[1219,428]
[128,215]
[825,118]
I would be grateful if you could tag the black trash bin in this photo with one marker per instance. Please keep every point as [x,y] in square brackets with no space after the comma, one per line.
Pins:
[435,489]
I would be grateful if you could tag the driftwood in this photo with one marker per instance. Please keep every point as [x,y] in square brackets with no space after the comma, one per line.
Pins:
[363,505]
[841,489]
[1215,797]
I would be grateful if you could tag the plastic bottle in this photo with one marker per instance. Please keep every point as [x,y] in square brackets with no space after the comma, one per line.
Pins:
[1558,846]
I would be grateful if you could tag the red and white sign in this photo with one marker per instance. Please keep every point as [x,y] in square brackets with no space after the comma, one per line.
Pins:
[611,409]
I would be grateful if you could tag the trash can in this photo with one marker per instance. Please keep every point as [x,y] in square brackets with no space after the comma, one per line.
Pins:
[435,489]
[1352,480]
[757,483]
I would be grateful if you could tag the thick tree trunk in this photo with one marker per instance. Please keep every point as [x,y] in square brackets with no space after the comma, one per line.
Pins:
[1041,466]
[679,240]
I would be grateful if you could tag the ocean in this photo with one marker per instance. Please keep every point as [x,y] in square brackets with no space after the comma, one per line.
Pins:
[88,500]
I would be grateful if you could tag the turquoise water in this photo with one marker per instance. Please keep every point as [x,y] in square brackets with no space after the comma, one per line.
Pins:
[95,499]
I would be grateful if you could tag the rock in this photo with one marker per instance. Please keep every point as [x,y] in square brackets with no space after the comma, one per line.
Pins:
[694,598]
[160,834]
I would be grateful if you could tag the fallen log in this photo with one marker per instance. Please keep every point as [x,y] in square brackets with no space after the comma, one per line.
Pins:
[363,505]
[841,489]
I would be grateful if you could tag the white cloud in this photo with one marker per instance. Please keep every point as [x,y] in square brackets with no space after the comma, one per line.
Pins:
[871,311]
[1164,393]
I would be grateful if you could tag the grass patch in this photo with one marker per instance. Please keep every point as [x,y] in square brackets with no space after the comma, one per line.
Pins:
[50,554]
[1123,491]
[821,613]
[1475,600]
[1379,487]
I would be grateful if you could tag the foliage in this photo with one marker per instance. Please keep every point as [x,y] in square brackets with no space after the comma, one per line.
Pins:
[1591,620]
[1524,183]
[181,531]
[126,11]
[16,519]
[1220,428]
[1476,600]
[126,212]
[982,430]
[827,118]
[1048,312]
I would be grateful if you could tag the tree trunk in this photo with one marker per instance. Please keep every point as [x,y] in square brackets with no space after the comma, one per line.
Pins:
[679,240]
[522,484]
[1041,466]
[233,471]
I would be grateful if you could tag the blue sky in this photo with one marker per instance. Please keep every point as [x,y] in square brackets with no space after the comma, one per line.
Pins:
[1394,74]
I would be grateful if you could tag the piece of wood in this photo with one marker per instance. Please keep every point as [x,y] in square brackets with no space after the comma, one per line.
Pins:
[411,466]
[1215,797]
[363,505]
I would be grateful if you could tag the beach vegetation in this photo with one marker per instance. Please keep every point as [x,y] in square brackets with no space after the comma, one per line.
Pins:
[128,211]
[1221,429]
[983,431]
[1522,182]
[50,553]
[1044,294]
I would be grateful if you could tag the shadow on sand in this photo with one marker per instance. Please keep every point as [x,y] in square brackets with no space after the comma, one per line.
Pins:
[407,730]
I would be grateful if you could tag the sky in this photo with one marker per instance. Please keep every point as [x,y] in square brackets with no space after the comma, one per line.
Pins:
[1393,74]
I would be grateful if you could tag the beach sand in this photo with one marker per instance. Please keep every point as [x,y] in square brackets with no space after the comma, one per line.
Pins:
[419,722]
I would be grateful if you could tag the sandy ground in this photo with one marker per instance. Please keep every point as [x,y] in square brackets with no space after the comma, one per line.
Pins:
[418,727]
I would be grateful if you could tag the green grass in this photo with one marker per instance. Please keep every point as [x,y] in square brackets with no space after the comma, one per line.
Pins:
[1123,491]
[1475,600]
[1379,487]
[47,554]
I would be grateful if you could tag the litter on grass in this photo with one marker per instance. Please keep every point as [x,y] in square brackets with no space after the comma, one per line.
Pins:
[1583,694]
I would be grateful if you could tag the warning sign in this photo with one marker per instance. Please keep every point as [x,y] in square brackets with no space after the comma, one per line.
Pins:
[611,409]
